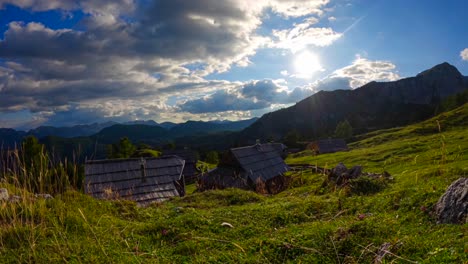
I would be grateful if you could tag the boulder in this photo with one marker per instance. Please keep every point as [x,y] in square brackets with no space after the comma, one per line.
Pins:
[452,207]
[339,174]
[338,171]
[355,172]
[4,196]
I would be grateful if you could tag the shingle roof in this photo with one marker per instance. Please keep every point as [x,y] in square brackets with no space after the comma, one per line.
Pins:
[124,178]
[190,168]
[260,161]
[280,148]
[331,145]
[186,154]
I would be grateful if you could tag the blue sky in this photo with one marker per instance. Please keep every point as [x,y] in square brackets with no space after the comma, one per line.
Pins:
[72,62]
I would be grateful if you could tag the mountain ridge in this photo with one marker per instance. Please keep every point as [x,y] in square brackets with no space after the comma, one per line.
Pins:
[374,105]
[94,128]
[167,130]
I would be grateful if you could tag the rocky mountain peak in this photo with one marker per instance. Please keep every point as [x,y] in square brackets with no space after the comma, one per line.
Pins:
[441,70]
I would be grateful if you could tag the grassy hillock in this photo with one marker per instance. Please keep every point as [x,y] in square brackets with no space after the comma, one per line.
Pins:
[308,223]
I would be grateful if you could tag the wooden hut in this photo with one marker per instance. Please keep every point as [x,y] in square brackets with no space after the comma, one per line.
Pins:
[280,148]
[328,146]
[258,167]
[144,180]
[190,169]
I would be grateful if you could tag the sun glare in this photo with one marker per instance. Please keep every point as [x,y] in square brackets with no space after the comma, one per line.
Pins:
[306,64]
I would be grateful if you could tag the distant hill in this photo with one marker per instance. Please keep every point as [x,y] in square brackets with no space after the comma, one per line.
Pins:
[373,106]
[183,129]
[376,105]
[69,132]
[191,128]
[142,122]
[136,133]
[167,125]
[10,137]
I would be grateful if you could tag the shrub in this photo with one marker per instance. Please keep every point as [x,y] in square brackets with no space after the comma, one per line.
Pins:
[366,185]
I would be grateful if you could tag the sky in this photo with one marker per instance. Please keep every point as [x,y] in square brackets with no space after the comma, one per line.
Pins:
[69,62]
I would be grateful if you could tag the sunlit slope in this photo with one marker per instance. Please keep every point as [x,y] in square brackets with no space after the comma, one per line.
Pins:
[307,223]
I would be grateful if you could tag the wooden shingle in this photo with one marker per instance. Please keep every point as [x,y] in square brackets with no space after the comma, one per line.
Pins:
[190,169]
[143,180]
[260,161]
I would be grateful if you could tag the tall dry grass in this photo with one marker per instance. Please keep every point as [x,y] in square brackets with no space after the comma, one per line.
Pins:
[24,217]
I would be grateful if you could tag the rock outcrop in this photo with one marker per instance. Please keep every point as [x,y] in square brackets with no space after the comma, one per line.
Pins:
[452,207]
[376,105]
[4,194]
[340,174]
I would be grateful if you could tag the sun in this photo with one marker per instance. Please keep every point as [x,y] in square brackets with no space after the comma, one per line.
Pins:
[306,64]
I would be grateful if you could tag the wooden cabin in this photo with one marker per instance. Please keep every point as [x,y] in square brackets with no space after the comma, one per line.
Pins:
[143,180]
[280,148]
[328,146]
[259,167]
[190,169]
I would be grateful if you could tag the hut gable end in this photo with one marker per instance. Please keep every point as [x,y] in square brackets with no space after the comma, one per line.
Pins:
[328,146]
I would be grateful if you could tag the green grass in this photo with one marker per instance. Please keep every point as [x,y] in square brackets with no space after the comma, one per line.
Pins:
[205,166]
[306,223]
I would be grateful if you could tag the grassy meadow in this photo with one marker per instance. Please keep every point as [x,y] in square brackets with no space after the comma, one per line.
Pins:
[310,222]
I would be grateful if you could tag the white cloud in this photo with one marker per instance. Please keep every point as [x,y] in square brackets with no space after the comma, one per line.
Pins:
[304,34]
[464,54]
[298,8]
[114,7]
[127,56]
[363,71]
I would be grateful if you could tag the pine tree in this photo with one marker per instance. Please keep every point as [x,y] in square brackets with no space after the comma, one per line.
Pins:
[344,130]
[124,149]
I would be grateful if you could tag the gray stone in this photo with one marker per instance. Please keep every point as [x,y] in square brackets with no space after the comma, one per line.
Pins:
[4,194]
[342,179]
[14,199]
[355,172]
[452,207]
[45,196]
[338,171]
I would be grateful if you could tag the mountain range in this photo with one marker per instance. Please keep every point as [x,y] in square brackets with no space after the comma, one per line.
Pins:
[376,105]
[140,130]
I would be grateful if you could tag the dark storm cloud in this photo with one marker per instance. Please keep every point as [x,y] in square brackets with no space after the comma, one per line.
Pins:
[88,6]
[222,101]
[333,83]
[38,96]
[251,96]
[138,50]
[270,92]
[265,90]
[195,30]
[82,115]
[34,40]
[185,31]
[114,57]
